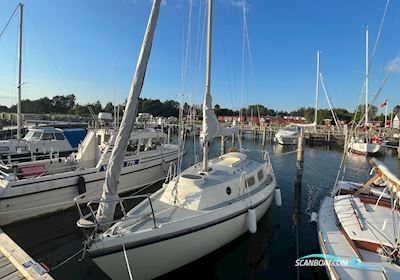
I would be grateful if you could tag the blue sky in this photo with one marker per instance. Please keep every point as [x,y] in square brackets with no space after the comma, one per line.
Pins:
[84,39]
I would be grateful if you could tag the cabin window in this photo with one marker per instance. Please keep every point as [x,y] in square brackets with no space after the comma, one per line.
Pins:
[33,135]
[59,136]
[132,146]
[29,135]
[155,142]
[260,175]
[47,136]
[250,181]
[143,143]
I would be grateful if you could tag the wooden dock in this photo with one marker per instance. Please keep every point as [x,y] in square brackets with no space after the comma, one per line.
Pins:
[15,263]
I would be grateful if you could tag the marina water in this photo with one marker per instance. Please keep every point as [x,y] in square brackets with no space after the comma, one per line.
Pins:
[283,234]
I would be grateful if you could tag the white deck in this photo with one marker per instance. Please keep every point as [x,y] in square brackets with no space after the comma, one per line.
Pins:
[368,226]
[333,242]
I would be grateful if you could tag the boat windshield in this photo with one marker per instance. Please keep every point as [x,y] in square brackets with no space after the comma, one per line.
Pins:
[33,135]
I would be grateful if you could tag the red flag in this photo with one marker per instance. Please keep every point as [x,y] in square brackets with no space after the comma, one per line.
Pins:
[384,104]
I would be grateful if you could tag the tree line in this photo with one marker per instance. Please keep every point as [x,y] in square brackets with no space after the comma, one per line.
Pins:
[66,104]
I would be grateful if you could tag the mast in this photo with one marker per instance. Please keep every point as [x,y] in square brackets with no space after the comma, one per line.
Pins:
[366,76]
[115,104]
[105,213]
[21,11]
[208,76]
[316,92]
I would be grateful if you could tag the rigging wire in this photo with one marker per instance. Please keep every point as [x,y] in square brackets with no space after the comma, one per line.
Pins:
[379,32]
[53,61]
[244,7]
[8,22]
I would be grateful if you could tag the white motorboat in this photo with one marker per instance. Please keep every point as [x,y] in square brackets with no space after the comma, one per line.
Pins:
[287,136]
[39,141]
[201,209]
[29,189]
[360,225]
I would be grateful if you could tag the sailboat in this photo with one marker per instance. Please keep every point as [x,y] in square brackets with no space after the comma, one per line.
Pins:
[290,134]
[201,209]
[361,145]
[360,225]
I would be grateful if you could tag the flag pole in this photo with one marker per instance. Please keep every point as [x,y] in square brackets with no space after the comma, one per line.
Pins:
[386,106]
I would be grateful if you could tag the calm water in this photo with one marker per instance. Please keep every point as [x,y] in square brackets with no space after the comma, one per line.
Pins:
[283,234]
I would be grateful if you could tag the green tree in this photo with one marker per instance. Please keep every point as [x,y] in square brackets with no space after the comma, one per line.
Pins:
[109,107]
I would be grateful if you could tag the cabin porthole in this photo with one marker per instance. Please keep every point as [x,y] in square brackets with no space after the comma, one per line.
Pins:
[228,190]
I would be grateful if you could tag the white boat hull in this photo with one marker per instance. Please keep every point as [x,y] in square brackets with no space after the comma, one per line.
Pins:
[365,148]
[53,193]
[286,137]
[152,260]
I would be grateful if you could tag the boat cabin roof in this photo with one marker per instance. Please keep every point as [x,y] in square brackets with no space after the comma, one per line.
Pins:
[46,129]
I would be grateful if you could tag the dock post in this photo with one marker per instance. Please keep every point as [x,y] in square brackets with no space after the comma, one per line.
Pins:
[398,150]
[263,137]
[222,145]
[298,187]
[329,136]
[300,155]
[270,133]
[169,135]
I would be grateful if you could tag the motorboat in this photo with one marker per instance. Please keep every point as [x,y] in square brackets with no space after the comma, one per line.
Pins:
[43,186]
[40,141]
[287,136]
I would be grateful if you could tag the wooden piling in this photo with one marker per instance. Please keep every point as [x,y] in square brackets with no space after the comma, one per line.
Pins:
[169,135]
[300,155]
[263,137]
[222,145]
[398,150]
[271,134]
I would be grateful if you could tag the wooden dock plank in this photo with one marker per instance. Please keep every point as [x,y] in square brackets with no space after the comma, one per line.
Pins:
[14,276]
[3,261]
[7,270]
[18,261]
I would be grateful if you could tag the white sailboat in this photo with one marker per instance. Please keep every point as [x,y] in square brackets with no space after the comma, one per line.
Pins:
[360,224]
[290,134]
[203,208]
[361,145]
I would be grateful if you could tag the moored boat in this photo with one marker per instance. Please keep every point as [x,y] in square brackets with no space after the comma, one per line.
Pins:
[360,224]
